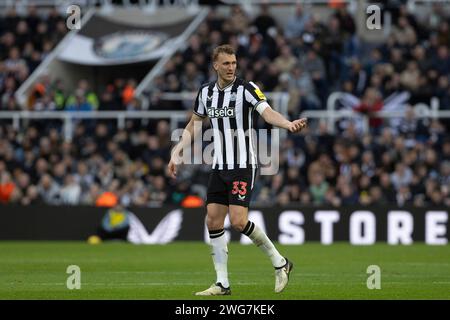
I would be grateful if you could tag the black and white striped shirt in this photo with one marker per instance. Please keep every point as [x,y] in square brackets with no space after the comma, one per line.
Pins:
[230,111]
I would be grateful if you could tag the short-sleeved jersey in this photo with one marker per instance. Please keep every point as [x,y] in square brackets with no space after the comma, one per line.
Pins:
[230,111]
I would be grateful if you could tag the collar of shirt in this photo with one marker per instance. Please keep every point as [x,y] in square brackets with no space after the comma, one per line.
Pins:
[227,86]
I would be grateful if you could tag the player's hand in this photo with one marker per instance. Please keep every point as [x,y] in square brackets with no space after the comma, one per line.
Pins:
[297,125]
[172,169]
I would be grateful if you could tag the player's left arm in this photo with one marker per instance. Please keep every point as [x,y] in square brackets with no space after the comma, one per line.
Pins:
[276,119]
[254,96]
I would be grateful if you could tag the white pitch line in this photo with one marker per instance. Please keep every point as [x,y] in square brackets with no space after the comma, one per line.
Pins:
[129,284]
[438,264]
[152,272]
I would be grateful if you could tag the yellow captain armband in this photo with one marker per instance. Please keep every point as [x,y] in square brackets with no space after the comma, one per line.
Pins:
[260,94]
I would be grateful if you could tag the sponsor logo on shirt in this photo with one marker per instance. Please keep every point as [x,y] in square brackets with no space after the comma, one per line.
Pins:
[221,112]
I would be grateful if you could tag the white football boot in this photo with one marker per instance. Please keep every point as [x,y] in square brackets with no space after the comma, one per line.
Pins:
[216,289]
[282,276]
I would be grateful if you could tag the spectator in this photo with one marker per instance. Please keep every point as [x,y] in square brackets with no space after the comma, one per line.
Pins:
[318,187]
[314,65]
[404,34]
[370,103]
[348,195]
[80,103]
[238,19]
[409,78]
[84,99]
[402,176]
[285,61]
[31,196]
[128,92]
[48,190]
[264,21]
[302,91]
[191,79]
[442,61]
[7,188]
[332,43]
[296,23]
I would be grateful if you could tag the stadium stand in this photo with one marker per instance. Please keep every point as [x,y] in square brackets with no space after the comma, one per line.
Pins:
[25,40]
[399,162]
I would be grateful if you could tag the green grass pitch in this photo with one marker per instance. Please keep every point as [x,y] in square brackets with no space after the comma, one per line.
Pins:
[37,270]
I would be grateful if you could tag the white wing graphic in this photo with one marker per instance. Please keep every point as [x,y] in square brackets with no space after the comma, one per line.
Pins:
[166,231]
[394,103]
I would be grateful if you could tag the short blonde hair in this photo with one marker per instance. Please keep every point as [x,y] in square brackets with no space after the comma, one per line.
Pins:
[225,48]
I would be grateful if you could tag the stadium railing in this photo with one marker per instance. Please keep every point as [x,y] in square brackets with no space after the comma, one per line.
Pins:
[335,115]
[93,3]
[279,100]
[68,116]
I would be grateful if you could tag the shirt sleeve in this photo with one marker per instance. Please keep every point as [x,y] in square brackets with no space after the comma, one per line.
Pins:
[255,97]
[199,107]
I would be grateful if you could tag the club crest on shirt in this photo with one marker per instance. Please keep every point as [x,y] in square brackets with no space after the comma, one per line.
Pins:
[233,96]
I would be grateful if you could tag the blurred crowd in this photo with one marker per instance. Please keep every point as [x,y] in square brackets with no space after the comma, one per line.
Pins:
[102,165]
[307,57]
[407,164]
[98,167]
[403,162]
[310,58]
[25,41]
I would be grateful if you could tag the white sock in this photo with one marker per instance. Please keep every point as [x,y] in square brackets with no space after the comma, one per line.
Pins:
[261,240]
[219,252]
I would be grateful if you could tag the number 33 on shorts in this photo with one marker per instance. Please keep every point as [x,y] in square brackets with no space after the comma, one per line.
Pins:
[239,187]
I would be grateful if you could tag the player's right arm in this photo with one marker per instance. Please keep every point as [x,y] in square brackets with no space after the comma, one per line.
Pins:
[189,133]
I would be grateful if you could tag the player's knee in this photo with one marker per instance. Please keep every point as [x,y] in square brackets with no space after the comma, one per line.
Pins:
[214,223]
[238,224]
